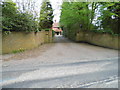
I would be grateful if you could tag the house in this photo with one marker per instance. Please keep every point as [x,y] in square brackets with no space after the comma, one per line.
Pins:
[56,28]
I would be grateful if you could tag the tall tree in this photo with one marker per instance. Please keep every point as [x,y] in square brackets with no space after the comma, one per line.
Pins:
[74,17]
[9,12]
[46,15]
[14,20]
[111,16]
[94,16]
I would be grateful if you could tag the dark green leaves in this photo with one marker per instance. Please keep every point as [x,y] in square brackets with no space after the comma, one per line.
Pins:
[14,20]
[100,16]
[46,15]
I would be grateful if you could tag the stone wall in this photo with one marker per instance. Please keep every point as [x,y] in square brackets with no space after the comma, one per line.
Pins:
[101,39]
[20,40]
[0,42]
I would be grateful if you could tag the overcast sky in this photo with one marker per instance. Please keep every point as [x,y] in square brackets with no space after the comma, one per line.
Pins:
[56,4]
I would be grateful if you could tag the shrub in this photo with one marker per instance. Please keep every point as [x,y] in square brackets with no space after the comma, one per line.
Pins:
[14,20]
[19,50]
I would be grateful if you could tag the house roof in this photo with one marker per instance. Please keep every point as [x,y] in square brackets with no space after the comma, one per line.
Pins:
[57,30]
[56,25]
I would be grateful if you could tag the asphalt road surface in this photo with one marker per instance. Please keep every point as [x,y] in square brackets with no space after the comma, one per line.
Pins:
[63,64]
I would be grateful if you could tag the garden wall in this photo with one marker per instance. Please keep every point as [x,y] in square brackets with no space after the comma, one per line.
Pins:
[101,39]
[0,42]
[20,40]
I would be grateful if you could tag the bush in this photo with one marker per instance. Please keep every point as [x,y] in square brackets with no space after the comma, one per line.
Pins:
[14,20]
[19,50]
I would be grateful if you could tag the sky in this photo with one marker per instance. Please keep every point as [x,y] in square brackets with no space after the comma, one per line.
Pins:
[56,5]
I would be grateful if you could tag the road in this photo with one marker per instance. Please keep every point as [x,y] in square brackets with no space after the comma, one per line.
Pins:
[63,64]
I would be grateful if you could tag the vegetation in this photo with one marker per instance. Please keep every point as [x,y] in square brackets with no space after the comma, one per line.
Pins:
[110,17]
[46,15]
[18,51]
[75,16]
[21,19]
[92,16]
[14,20]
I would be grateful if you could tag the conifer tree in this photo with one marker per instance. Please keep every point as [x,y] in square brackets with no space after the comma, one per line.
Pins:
[46,15]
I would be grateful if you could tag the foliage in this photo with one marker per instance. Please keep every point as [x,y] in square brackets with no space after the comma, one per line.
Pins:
[110,16]
[9,11]
[46,15]
[74,14]
[53,33]
[14,20]
[25,22]
[19,50]
[47,29]
[102,17]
